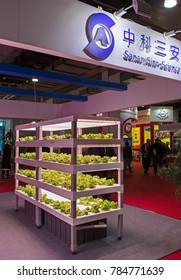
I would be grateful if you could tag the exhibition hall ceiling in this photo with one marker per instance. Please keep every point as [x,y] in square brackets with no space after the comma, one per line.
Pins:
[162,20]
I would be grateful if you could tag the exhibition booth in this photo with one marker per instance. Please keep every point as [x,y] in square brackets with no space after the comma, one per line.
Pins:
[77,31]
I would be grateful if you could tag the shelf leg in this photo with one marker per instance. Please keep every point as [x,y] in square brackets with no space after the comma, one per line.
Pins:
[38,218]
[120,227]
[73,244]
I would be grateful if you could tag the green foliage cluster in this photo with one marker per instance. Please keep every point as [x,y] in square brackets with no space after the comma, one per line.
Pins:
[29,190]
[93,205]
[62,206]
[28,173]
[68,136]
[96,136]
[98,203]
[58,178]
[66,158]
[28,155]
[27,138]
[57,137]
[172,172]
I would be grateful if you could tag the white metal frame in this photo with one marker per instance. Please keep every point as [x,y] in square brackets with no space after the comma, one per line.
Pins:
[75,124]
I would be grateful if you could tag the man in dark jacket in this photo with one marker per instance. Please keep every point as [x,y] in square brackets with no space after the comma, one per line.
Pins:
[6,161]
[157,153]
[146,155]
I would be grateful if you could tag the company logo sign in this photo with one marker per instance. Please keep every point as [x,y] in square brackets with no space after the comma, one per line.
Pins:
[133,45]
[145,46]
[100,36]
[162,114]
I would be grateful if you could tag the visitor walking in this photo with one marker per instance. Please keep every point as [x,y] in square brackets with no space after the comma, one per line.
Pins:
[6,162]
[157,153]
[127,157]
[146,155]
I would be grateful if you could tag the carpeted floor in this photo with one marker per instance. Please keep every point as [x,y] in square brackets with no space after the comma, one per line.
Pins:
[174,256]
[143,191]
[147,236]
[150,192]
[7,186]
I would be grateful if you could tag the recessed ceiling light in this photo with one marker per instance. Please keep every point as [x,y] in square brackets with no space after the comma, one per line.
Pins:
[35,80]
[170,3]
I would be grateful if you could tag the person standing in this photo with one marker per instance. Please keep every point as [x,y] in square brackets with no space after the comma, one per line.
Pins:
[157,153]
[146,156]
[127,157]
[6,161]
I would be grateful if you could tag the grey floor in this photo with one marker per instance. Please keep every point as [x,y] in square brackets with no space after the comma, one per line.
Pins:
[147,236]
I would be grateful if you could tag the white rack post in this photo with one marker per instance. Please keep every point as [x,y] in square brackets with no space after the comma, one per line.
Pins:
[38,216]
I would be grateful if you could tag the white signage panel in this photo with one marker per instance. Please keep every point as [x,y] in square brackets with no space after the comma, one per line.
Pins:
[161,114]
[129,114]
[75,30]
[144,50]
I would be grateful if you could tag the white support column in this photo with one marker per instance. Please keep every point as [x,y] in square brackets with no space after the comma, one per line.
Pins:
[73,245]
[38,211]
[79,149]
[51,148]
[120,226]
[73,176]
[16,169]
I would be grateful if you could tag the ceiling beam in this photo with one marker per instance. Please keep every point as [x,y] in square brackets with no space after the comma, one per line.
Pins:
[26,72]
[37,93]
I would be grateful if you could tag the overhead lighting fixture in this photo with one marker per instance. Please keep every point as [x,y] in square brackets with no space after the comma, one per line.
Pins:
[34,80]
[170,3]
[121,12]
[172,33]
[140,7]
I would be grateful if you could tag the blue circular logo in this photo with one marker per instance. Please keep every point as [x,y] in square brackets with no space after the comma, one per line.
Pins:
[99,35]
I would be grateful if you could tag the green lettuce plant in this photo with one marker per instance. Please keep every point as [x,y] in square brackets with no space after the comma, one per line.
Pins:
[172,172]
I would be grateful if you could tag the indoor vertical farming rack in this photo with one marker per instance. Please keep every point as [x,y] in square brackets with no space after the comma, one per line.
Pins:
[72,126]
